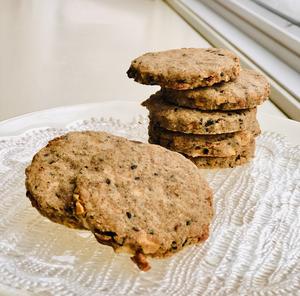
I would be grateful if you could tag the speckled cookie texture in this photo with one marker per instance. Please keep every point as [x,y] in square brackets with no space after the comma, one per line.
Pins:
[185,68]
[187,120]
[221,145]
[247,91]
[145,200]
[246,154]
[138,198]
[50,178]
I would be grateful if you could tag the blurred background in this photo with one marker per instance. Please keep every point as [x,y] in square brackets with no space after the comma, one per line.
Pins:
[64,52]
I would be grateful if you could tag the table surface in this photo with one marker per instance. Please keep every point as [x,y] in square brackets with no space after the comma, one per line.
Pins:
[65,52]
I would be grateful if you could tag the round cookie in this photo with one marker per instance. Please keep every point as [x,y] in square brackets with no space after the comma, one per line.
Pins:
[145,200]
[187,120]
[247,91]
[221,145]
[185,68]
[243,157]
[50,178]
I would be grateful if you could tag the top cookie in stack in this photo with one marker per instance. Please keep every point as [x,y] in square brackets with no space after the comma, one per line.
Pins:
[185,68]
[206,108]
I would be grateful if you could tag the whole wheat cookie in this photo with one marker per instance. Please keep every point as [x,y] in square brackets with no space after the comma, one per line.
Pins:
[145,200]
[246,154]
[185,68]
[221,145]
[50,178]
[187,120]
[247,91]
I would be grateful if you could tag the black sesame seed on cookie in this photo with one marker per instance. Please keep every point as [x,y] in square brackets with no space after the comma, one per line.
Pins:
[185,68]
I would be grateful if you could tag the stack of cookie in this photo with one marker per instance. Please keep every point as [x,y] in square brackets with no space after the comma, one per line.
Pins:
[206,108]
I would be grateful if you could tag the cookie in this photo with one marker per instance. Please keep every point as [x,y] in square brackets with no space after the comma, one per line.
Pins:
[246,154]
[185,68]
[50,178]
[221,145]
[247,91]
[187,120]
[144,200]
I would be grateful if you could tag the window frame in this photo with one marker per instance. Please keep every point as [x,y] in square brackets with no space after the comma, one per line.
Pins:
[204,19]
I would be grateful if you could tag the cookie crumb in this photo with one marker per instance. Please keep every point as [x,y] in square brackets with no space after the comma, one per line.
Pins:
[79,209]
[141,261]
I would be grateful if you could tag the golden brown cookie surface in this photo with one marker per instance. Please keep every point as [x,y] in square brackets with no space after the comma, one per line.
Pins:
[185,68]
[50,178]
[247,91]
[144,200]
[193,121]
[135,197]
[220,145]
[246,154]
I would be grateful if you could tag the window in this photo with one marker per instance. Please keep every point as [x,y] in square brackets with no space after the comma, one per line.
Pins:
[267,39]
[288,9]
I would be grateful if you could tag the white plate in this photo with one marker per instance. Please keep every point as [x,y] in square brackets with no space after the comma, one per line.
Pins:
[254,246]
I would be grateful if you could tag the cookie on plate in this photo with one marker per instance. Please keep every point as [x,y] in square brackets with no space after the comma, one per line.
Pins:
[247,91]
[187,120]
[245,155]
[145,200]
[185,68]
[50,178]
[220,145]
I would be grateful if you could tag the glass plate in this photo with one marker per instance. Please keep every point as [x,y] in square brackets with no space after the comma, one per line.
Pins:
[253,249]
